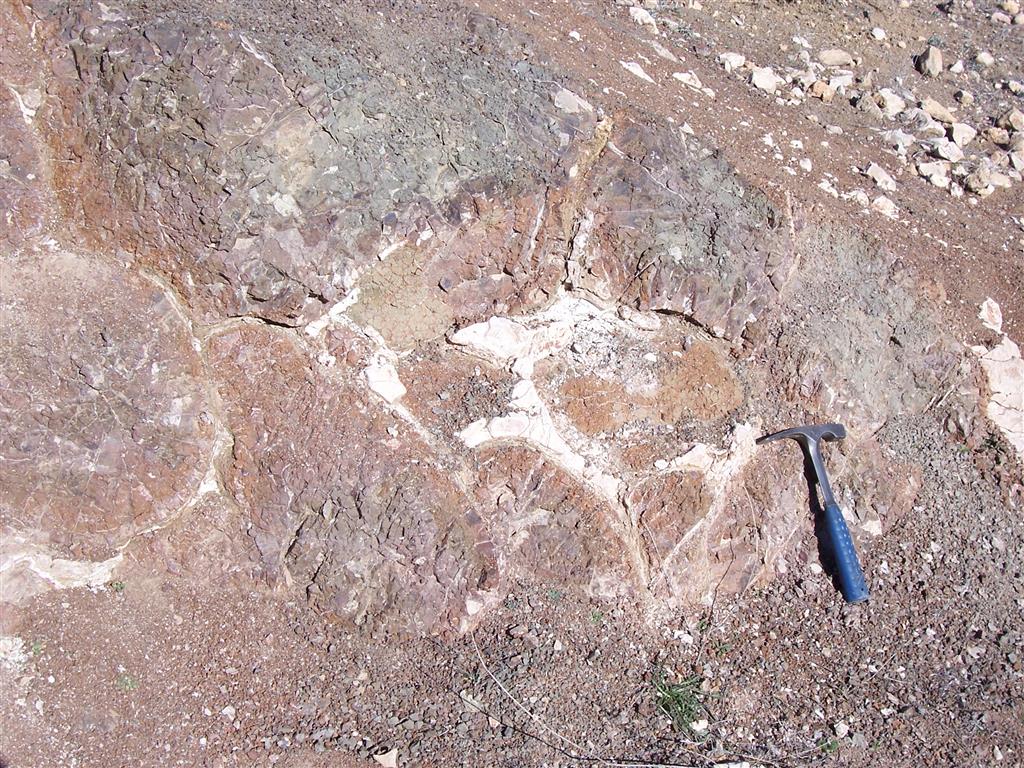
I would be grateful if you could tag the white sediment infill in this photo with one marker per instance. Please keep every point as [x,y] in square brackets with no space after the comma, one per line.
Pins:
[529,420]
[513,342]
[19,554]
[1004,369]
[518,344]
[316,327]
[382,378]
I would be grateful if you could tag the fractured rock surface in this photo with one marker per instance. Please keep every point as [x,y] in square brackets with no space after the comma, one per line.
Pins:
[296,313]
[667,228]
[106,428]
[260,185]
[342,496]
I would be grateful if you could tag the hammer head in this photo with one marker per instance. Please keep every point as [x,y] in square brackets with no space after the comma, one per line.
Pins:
[809,435]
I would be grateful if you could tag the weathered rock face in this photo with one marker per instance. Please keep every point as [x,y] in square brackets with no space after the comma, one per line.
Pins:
[106,432]
[106,428]
[210,544]
[263,186]
[554,528]
[296,312]
[668,228]
[25,198]
[345,499]
[856,340]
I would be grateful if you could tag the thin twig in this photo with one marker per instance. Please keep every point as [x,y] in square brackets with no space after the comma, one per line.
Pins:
[583,757]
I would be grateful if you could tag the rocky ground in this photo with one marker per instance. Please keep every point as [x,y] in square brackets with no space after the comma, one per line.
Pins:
[380,382]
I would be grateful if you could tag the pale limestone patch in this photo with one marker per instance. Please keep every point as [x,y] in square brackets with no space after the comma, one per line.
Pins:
[732,61]
[642,17]
[21,559]
[382,378]
[885,206]
[285,204]
[1005,371]
[569,102]
[636,70]
[12,653]
[662,51]
[690,80]
[991,315]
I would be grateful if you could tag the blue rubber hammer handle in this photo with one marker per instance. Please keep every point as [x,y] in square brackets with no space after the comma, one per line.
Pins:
[837,541]
[848,570]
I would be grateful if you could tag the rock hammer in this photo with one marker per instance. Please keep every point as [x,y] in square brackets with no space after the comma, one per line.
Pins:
[836,543]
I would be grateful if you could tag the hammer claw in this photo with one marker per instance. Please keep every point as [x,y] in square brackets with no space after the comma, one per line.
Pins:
[810,433]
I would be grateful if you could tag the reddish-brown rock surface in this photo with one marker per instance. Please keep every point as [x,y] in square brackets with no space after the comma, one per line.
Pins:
[383,377]
[390,353]
[108,431]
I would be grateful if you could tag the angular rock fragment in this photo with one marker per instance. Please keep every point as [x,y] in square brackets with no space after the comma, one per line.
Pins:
[945,149]
[821,90]
[899,140]
[998,136]
[382,378]
[835,57]
[929,62]
[991,315]
[1005,371]
[765,79]
[732,61]
[869,106]
[1011,119]
[937,172]
[881,177]
[643,17]
[923,124]
[962,134]
[688,78]
[890,103]
[636,70]
[885,206]
[937,111]
[985,179]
